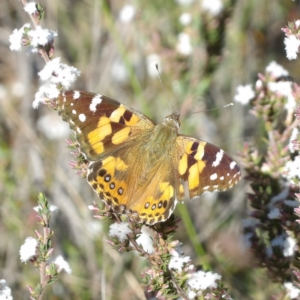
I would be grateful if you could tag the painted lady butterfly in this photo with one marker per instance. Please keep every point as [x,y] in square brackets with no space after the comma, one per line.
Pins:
[139,167]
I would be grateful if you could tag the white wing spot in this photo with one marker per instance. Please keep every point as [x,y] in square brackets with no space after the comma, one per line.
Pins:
[206,188]
[76,95]
[222,178]
[74,111]
[215,186]
[95,101]
[219,157]
[232,165]
[82,117]
[213,176]
[72,104]
[228,174]
[78,130]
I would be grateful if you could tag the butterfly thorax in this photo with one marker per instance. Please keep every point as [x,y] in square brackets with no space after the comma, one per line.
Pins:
[160,141]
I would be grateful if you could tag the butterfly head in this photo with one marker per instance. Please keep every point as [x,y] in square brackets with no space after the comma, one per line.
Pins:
[173,120]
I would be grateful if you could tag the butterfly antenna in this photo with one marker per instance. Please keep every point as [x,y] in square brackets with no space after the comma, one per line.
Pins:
[224,106]
[156,67]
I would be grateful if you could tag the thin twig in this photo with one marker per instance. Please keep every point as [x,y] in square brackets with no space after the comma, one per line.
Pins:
[36,21]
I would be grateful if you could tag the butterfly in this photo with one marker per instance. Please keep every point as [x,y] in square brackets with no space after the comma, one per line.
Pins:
[138,167]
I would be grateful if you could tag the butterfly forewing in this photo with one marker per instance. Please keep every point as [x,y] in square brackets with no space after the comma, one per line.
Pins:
[101,124]
[205,167]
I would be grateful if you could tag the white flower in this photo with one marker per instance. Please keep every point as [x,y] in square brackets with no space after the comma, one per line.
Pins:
[293,137]
[5,291]
[274,214]
[185,19]
[284,88]
[120,230]
[292,44]
[203,280]
[59,73]
[292,168]
[30,8]
[52,208]
[212,6]
[145,240]
[191,295]
[62,265]
[184,2]
[66,75]
[127,13]
[39,36]
[293,291]
[177,261]
[289,246]
[286,243]
[184,46]
[47,91]
[276,70]
[151,62]
[51,67]
[28,249]
[244,94]
[15,38]
[258,84]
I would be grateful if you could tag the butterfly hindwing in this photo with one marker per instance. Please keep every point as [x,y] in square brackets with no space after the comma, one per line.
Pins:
[101,124]
[147,194]
[205,167]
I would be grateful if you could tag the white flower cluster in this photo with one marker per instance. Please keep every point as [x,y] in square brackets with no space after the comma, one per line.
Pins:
[214,7]
[178,262]
[200,281]
[5,291]
[32,37]
[244,93]
[28,249]
[282,88]
[285,243]
[120,230]
[293,291]
[30,8]
[55,73]
[292,169]
[62,264]
[292,42]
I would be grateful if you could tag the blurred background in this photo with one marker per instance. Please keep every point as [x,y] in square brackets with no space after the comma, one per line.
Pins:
[204,50]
